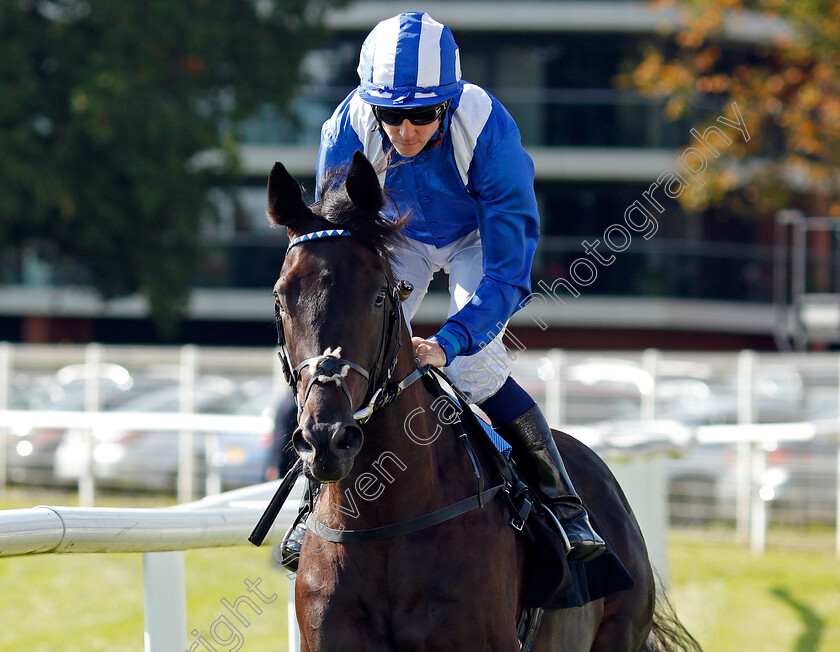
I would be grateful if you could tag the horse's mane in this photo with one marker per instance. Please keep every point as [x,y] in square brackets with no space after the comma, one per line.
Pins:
[373,229]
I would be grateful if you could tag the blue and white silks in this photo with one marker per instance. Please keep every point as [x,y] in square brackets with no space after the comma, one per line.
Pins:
[478,178]
[409,60]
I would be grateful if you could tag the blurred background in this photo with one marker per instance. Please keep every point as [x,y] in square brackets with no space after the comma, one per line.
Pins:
[137,262]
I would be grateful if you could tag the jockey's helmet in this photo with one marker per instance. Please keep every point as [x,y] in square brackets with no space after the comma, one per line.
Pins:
[409,61]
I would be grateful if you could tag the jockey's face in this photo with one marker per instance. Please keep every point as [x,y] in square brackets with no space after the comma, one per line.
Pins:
[408,138]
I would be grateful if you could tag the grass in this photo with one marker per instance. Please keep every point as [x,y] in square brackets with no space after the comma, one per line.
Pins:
[784,601]
[94,602]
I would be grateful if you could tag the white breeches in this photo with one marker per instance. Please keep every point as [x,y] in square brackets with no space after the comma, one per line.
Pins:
[481,374]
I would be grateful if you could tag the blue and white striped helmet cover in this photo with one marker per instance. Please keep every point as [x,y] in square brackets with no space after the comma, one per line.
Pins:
[410,60]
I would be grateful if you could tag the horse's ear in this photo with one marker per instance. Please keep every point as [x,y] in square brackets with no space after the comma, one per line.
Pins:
[285,200]
[363,185]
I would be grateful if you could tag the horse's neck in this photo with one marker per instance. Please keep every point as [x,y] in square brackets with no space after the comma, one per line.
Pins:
[401,471]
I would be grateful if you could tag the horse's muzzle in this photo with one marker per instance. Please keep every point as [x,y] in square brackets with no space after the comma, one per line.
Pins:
[328,449]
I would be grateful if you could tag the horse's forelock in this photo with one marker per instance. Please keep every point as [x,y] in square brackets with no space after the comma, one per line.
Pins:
[371,228]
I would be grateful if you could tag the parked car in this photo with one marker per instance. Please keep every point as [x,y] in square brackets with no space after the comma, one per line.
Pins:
[704,482]
[798,480]
[143,459]
[30,451]
[593,389]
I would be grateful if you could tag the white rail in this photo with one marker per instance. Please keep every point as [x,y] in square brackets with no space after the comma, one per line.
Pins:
[161,534]
[25,419]
[46,529]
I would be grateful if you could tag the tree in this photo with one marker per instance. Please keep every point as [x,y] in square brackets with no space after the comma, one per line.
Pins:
[787,89]
[104,109]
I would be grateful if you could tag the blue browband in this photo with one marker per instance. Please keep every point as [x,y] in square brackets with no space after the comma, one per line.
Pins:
[315,235]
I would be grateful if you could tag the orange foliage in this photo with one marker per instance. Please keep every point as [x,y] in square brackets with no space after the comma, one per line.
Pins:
[787,88]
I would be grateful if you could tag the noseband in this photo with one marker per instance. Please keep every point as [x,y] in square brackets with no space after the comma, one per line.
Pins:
[330,367]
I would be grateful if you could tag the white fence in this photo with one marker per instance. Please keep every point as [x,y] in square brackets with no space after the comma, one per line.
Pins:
[686,399]
[161,534]
[227,520]
[89,381]
[626,406]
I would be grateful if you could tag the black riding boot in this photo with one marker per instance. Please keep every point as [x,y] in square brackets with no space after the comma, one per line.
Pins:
[537,456]
[289,549]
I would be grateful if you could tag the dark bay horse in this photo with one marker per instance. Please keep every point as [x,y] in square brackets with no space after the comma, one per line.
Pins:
[387,458]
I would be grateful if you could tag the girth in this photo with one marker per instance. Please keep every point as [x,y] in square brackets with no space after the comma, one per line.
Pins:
[403,527]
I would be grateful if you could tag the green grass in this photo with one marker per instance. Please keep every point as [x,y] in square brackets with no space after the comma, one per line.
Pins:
[787,600]
[94,602]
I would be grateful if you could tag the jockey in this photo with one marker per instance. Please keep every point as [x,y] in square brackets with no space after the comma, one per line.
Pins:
[457,169]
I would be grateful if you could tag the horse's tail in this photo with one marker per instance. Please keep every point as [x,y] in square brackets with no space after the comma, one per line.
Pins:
[667,633]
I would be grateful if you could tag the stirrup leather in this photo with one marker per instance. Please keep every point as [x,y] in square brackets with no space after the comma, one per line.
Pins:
[537,456]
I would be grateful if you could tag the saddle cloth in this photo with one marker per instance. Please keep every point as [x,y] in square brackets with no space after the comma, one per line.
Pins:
[585,581]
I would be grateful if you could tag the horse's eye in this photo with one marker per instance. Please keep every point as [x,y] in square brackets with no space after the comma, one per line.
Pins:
[380,297]
[277,303]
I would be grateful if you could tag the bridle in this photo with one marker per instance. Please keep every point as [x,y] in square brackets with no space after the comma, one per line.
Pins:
[330,367]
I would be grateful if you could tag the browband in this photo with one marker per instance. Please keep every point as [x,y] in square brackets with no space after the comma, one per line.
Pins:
[315,235]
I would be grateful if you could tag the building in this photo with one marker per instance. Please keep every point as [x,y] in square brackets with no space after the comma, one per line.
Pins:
[678,281]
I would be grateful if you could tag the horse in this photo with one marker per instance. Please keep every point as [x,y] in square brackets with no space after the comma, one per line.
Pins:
[387,456]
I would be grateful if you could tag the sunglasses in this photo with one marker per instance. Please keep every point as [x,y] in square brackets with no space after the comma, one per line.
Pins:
[420,117]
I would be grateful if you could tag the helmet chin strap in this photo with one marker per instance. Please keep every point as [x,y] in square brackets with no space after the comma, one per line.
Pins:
[435,142]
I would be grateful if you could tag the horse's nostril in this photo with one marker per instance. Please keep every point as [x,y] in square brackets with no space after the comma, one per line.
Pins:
[300,443]
[348,440]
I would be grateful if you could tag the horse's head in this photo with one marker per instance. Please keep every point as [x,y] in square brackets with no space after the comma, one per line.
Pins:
[337,310]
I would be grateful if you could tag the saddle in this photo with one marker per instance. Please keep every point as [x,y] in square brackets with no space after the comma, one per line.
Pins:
[552,581]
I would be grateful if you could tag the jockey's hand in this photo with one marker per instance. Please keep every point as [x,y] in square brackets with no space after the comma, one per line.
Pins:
[428,352]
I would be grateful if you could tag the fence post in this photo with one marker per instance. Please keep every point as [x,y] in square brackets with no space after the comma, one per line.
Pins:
[643,482]
[164,602]
[752,461]
[745,364]
[93,403]
[5,401]
[758,466]
[555,392]
[837,497]
[650,362]
[758,507]
[213,479]
[186,438]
